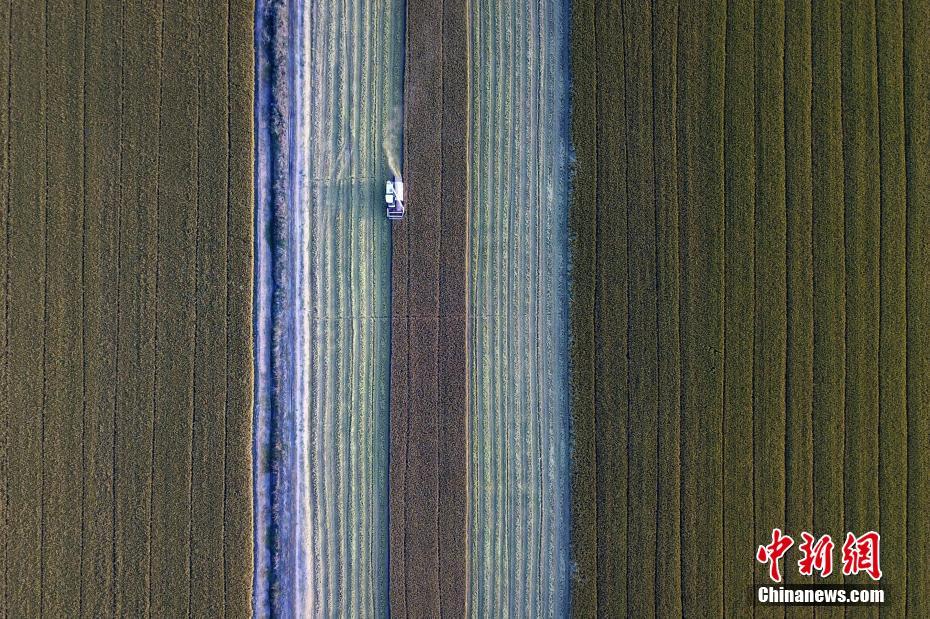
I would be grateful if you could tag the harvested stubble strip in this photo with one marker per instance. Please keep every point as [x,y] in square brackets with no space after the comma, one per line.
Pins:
[829,274]
[701,207]
[61,490]
[136,343]
[799,293]
[26,251]
[740,165]
[582,228]
[400,395]
[175,328]
[892,354]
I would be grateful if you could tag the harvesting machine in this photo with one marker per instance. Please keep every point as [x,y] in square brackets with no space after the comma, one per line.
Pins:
[394,197]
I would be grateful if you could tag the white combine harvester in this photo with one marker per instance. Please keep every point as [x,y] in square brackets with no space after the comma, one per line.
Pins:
[394,197]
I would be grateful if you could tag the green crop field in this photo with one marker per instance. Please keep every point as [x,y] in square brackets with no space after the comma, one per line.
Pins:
[749,296]
[125,460]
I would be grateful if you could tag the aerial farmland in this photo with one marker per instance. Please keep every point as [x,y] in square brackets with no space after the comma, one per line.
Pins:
[126,266]
[332,122]
[476,308]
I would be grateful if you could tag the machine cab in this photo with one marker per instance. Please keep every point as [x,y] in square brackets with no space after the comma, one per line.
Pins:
[394,197]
